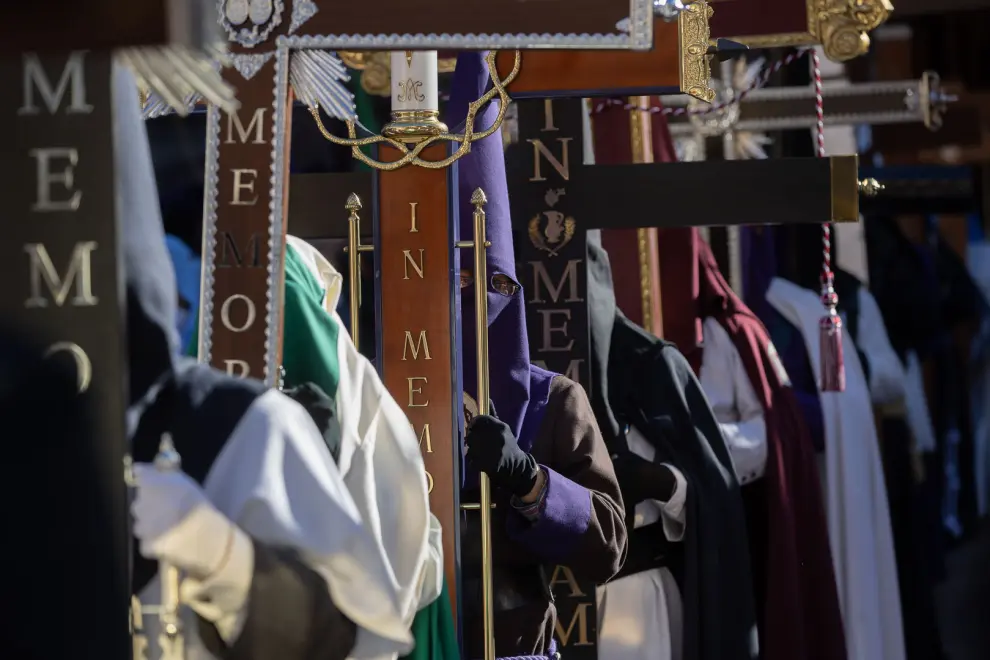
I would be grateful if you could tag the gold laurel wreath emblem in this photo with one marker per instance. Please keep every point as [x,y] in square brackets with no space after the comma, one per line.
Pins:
[536,235]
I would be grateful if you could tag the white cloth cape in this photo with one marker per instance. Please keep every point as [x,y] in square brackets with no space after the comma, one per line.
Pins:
[640,616]
[856,496]
[276,480]
[381,460]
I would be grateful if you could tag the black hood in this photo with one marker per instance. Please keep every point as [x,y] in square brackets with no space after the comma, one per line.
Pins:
[153,343]
[601,319]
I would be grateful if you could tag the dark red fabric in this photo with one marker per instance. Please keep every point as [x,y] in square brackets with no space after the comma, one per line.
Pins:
[801,616]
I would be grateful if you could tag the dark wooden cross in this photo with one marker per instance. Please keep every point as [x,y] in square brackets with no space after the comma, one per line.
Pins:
[65,289]
[556,198]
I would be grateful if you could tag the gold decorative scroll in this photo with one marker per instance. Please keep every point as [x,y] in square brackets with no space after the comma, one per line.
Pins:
[693,35]
[840,26]
[376,73]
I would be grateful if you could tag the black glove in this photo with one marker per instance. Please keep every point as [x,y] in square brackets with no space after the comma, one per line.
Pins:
[639,479]
[492,449]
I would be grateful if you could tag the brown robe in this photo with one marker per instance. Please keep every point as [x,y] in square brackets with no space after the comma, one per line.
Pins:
[591,542]
[290,615]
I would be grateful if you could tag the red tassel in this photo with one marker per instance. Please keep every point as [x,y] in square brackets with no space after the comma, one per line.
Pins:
[830,338]
[830,327]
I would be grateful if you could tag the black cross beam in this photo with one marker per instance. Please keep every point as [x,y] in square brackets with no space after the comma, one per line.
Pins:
[549,156]
[556,200]
[64,285]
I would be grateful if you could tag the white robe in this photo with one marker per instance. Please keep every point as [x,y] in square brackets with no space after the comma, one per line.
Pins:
[380,459]
[856,496]
[277,481]
[640,616]
[739,413]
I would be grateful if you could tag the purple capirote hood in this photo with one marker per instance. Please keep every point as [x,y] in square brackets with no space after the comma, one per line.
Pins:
[484,167]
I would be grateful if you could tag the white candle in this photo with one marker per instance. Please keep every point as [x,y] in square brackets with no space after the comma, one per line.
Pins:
[414,80]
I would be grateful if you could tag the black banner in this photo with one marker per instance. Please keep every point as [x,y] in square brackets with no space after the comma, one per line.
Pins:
[551,250]
[63,288]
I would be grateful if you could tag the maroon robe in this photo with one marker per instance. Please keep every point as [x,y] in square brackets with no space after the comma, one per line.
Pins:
[788,532]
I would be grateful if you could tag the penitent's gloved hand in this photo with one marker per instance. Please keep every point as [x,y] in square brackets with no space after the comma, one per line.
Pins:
[492,449]
[174,521]
[640,479]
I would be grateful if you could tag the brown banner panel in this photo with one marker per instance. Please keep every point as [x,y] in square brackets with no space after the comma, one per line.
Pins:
[243,288]
[416,297]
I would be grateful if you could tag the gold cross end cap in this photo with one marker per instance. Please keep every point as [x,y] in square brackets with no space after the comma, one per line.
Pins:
[870,187]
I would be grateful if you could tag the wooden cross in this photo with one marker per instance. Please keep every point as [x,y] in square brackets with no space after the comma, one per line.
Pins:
[246,151]
[65,286]
[247,193]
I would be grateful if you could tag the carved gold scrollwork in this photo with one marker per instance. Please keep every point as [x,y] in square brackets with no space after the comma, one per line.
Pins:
[692,36]
[841,26]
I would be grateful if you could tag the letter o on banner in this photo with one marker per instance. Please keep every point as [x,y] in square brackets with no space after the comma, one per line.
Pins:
[84,368]
[252,313]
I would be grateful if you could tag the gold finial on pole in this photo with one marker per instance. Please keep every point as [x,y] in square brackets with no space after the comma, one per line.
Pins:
[170,640]
[354,250]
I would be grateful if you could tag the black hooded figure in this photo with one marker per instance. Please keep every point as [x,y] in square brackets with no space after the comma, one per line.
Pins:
[645,387]
[251,458]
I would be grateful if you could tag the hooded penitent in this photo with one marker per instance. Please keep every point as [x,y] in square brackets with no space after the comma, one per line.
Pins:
[652,387]
[577,517]
[256,453]
[792,562]
[518,389]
